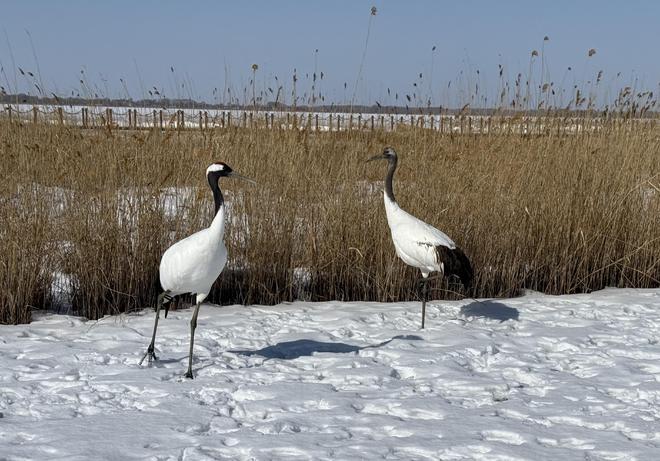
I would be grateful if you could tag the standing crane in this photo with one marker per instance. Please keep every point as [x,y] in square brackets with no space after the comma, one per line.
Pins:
[419,244]
[192,265]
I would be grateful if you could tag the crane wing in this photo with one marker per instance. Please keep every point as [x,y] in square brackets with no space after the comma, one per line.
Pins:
[456,263]
[418,231]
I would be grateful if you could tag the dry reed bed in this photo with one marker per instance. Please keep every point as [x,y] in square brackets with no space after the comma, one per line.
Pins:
[96,209]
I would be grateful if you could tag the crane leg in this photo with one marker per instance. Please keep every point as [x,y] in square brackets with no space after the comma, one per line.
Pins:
[425,295]
[193,325]
[150,350]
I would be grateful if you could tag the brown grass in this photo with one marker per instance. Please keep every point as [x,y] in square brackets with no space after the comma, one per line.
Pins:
[556,213]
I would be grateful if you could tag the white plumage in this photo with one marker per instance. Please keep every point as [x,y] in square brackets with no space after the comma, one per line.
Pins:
[193,264]
[414,240]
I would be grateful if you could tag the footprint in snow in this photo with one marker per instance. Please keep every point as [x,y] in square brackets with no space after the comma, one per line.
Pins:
[510,438]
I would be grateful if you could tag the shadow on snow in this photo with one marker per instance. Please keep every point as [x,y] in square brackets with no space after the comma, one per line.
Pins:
[306,347]
[490,310]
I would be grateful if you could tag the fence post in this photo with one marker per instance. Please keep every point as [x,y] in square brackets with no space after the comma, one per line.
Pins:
[251,121]
[350,122]
[432,123]
[535,124]
[272,120]
[338,122]
[372,123]
[130,118]
[317,121]
[392,122]
[288,119]
[34,114]
[60,115]
[382,122]
[330,123]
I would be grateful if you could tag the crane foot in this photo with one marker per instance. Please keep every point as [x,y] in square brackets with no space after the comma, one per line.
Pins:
[150,354]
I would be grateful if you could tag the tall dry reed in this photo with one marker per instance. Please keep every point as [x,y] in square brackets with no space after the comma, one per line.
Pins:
[94,210]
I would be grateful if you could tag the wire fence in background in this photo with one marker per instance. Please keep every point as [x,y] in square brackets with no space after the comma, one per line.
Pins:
[126,118]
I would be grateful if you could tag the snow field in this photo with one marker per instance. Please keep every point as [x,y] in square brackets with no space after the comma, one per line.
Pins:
[535,377]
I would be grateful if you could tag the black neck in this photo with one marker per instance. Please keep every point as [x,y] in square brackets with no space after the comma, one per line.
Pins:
[388,180]
[217,193]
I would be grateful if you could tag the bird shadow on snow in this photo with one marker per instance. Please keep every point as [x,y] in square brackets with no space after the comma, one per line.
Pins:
[289,350]
[490,310]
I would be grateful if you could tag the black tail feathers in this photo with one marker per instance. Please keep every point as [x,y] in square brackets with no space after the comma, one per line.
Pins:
[456,263]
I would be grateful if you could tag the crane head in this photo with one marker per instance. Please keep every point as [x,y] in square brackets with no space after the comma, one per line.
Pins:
[217,170]
[388,154]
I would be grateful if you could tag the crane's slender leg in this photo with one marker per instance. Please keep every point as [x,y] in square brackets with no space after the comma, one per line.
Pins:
[164,296]
[425,295]
[193,325]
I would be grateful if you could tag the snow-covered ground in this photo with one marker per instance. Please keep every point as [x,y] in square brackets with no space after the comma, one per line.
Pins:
[537,377]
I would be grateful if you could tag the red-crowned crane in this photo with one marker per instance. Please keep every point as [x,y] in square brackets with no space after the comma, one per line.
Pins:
[419,244]
[192,265]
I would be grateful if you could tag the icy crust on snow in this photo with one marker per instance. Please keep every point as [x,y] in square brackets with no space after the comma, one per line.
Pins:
[536,377]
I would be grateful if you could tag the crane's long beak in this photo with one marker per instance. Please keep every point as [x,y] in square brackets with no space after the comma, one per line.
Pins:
[375,157]
[233,174]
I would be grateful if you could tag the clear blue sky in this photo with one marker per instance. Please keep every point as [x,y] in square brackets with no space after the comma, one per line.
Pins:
[212,44]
